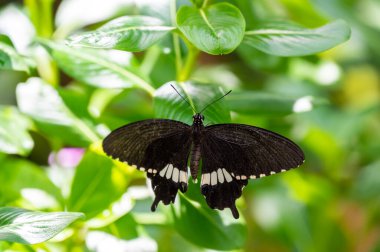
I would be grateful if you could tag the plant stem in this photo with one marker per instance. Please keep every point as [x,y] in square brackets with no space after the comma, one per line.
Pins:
[176,42]
[40,12]
[205,2]
[191,59]
[41,15]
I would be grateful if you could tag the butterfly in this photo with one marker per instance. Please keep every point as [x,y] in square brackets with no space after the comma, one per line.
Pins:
[230,154]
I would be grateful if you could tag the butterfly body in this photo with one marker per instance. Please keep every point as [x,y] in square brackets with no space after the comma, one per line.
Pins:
[197,130]
[230,154]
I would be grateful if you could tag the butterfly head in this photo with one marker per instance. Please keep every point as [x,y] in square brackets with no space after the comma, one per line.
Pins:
[198,119]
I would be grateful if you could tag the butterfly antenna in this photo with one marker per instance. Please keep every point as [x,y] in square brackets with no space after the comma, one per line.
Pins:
[215,101]
[183,98]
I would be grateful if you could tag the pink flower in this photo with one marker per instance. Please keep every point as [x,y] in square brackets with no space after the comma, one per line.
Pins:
[66,157]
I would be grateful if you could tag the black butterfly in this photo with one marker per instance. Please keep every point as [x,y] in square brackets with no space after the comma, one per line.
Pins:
[230,153]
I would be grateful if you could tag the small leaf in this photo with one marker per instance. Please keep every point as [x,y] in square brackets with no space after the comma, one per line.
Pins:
[217,29]
[14,136]
[168,104]
[28,227]
[129,33]
[10,59]
[95,186]
[42,103]
[289,39]
[94,68]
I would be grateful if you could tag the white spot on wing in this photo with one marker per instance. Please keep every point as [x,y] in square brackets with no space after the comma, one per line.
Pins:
[150,170]
[283,170]
[238,177]
[227,175]
[214,178]
[220,176]
[163,171]
[262,175]
[272,172]
[142,169]
[175,175]
[252,177]
[243,177]
[205,179]
[169,172]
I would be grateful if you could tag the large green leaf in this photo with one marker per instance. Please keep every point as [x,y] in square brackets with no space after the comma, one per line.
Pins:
[11,59]
[289,39]
[168,104]
[96,185]
[129,33]
[217,29]
[223,232]
[28,227]
[94,68]
[42,102]
[14,136]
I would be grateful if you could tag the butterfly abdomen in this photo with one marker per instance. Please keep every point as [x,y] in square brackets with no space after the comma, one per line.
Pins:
[194,160]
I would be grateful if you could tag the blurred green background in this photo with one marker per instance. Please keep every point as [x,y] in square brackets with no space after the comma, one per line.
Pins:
[51,129]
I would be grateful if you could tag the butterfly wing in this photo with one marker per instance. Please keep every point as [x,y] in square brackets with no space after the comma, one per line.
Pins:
[232,153]
[159,147]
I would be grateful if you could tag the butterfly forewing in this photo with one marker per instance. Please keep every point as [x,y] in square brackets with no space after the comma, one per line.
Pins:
[159,147]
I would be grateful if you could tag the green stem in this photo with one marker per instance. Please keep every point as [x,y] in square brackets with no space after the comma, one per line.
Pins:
[176,42]
[191,59]
[41,15]
[205,2]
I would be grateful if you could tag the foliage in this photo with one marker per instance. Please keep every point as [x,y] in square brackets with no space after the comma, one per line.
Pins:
[74,70]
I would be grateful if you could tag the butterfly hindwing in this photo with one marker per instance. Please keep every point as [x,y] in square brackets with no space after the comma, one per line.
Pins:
[233,153]
[158,147]
[218,183]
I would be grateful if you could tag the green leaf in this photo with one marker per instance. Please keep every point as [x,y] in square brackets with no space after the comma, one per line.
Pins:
[159,9]
[262,103]
[128,33]
[289,39]
[42,103]
[17,175]
[10,59]
[28,227]
[168,104]
[223,232]
[217,29]
[95,186]
[126,227]
[14,136]
[94,68]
